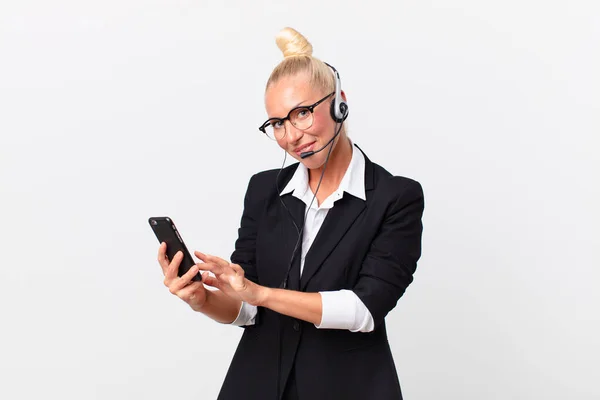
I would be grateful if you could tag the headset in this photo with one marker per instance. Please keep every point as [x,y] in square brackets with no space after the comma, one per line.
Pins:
[339,113]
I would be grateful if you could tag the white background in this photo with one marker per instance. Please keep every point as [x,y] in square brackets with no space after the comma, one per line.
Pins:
[115,111]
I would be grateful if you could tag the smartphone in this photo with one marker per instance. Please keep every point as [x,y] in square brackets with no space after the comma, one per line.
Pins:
[165,231]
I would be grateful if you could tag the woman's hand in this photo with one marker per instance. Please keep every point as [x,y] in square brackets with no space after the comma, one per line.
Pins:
[230,279]
[193,293]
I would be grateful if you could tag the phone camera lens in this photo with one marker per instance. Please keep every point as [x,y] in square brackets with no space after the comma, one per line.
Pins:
[153,222]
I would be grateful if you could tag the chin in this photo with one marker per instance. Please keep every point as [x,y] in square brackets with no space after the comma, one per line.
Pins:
[314,161]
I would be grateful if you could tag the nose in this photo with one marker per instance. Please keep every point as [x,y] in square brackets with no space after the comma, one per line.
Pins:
[293,134]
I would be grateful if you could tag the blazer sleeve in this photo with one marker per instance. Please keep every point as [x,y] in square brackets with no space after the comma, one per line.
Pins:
[391,261]
[245,245]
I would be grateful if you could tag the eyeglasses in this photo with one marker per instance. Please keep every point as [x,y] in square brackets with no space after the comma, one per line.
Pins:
[301,117]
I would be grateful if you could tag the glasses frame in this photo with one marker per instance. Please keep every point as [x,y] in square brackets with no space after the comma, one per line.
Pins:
[311,108]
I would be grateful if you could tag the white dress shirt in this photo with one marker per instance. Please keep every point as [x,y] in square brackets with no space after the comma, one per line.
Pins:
[342,309]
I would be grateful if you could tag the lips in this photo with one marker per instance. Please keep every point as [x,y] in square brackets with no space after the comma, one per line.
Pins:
[305,147]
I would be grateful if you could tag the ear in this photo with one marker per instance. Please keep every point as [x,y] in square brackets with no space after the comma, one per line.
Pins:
[343,96]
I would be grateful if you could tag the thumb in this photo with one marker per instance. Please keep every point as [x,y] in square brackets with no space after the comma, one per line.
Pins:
[210,280]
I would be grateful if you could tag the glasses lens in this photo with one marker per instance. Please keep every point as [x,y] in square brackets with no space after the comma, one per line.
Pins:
[302,118]
[275,130]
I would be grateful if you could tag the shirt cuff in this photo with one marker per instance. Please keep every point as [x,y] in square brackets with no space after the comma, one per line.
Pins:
[343,309]
[246,315]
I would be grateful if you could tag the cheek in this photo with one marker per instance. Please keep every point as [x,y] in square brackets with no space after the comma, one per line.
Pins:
[282,143]
[321,127]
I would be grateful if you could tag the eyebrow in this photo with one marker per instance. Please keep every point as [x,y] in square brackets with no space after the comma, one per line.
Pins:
[297,105]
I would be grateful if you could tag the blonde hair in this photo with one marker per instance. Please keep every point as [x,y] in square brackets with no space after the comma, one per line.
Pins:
[298,58]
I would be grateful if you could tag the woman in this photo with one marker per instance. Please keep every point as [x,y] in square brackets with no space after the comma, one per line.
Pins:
[326,248]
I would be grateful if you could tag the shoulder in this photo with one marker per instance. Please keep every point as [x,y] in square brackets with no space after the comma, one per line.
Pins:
[265,184]
[395,186]
[400,198]
[384,183]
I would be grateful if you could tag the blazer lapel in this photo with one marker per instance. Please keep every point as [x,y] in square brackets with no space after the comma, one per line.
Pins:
[280,234]
[369,173]
[339,219]
[294,205]
[337,222]
[296,209]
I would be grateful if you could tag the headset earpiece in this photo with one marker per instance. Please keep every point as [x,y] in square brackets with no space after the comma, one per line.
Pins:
[339,112]
[334,115]
[339,108]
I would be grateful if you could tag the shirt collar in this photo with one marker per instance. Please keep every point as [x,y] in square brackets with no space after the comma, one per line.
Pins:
[352,183]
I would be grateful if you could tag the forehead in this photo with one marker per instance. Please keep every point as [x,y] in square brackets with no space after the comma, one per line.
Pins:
[289,92]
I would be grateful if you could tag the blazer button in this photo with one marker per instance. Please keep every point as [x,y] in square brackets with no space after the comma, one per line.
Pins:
[296,325]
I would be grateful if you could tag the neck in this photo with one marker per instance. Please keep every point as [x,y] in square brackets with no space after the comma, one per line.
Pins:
[339,160]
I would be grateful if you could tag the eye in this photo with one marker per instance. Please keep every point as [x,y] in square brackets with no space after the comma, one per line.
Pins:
[277,124]
[302,113]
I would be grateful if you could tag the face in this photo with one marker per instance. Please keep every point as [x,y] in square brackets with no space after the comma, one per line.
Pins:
[293,91]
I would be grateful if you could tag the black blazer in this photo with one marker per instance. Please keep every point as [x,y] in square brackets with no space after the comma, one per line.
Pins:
[370,247]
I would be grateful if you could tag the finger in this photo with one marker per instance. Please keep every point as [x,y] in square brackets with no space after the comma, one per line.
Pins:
[222,262]
[205,276]
[178,284]
[210,258]
[207,264]
[232,271]
[162,257]
[174,267]
[218,266]
[212,267]
[190,292]
[238,269]
[192,272]
[200,255]
[211,280]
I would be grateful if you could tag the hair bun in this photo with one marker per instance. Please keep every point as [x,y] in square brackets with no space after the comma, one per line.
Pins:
[292,43]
